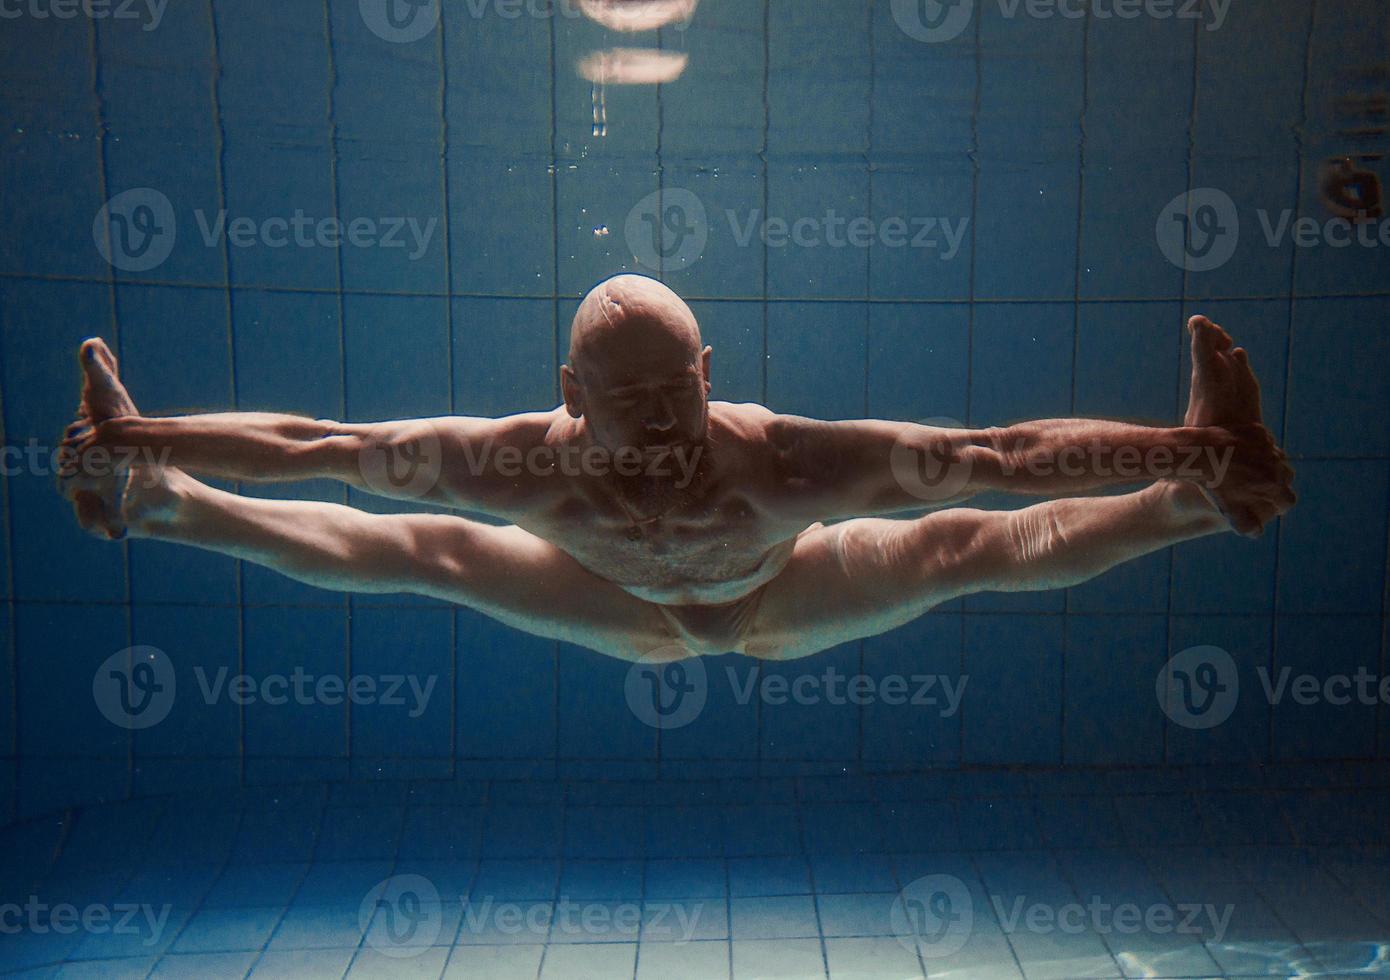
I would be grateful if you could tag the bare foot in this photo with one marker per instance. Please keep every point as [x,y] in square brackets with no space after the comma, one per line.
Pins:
[109,495]
[1226,394]
[1224,389]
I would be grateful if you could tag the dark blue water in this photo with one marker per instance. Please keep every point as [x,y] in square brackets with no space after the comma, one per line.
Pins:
[978,212]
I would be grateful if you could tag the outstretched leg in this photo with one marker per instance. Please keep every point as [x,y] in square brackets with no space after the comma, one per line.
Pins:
[504,572]
[868,576]
[865,577]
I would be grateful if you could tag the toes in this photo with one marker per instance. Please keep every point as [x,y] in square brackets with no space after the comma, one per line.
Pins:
[103,394]
[94,350]
[1221,340]
[1203,349]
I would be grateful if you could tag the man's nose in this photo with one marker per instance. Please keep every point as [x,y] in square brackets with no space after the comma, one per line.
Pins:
[659,417]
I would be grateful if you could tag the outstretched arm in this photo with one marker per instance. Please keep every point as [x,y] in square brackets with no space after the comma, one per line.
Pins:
[841,469]
[449,461]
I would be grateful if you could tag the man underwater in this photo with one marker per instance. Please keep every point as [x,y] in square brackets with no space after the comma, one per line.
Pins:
[647,522]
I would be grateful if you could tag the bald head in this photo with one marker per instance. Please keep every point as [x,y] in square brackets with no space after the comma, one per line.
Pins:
[627,313]
[638,372]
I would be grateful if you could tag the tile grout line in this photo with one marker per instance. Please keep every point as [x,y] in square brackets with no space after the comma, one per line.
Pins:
[555,334]
[868,290]
[1067,594]
[1169,626]
[1054,300]
[1299,127]
[349,603]
[229,307]
[974,155]
[444,134]
[97,81]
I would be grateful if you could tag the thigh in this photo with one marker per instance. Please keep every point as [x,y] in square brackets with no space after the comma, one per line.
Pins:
[528,583]
[850,580]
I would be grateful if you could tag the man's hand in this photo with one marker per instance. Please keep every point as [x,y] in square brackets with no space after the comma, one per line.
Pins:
[1225,393]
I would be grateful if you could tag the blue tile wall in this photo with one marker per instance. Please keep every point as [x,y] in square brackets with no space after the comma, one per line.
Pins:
[308,382]
[1111,663]
[1331,546]
[505,692]
[1245,735]
[404,728]
[199,743]
[176,360]
[43,324]
[1012,707]
[1020,148]
[1324,648]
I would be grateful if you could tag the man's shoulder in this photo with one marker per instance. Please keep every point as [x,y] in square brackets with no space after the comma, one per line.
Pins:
[551,427]
[749,415]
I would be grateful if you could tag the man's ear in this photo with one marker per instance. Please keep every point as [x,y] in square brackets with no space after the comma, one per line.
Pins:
[704,365]
[574,394]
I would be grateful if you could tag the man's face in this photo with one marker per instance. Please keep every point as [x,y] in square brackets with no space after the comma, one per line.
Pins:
[646,389]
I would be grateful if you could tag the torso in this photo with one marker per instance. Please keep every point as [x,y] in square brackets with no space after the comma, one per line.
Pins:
[713,543]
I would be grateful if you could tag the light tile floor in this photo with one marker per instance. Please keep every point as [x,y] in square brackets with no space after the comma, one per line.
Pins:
[1275,871]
